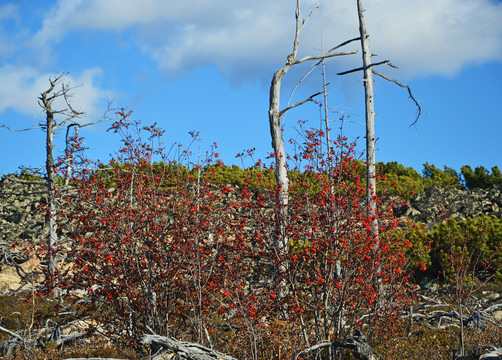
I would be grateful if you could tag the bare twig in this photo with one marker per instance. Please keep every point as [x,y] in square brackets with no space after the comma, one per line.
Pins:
[320,62]
[404,86]
[362,67]
[300,103]
[343,44]
[20,130]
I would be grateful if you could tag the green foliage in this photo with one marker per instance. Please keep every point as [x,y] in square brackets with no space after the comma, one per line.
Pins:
[447,178]
[404,181]
[479,240]
[25,174]
[256,176]
[481,177]
[395,168]
[393,178]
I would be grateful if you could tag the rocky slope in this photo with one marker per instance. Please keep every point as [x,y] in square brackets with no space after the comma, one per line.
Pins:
[437,204]
[21,220]
[20,217]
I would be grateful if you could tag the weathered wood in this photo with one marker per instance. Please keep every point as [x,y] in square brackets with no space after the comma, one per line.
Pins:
[185,350]
[275,115]
[94,358]
[12,333]
[370,121]
[356,343]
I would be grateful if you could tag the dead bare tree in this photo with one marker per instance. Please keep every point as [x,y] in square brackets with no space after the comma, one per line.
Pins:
[275,115]
[368,71]
[54,120]
[50,126]
[370,120]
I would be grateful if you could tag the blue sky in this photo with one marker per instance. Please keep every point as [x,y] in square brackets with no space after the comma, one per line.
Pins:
[206,65]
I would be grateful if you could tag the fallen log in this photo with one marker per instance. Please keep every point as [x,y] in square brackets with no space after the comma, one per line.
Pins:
[185,350]
[356,343]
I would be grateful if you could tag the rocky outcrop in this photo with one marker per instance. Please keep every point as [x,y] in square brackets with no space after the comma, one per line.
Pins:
[437,204]
[21,226]
[21,218]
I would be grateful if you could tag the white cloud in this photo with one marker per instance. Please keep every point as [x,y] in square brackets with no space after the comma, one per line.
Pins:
[22,87]
[243,37]
[432,36]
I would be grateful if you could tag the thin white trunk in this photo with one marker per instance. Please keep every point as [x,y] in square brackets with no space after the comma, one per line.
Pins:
[370,121]
[70,154]
[275,115]
[51,183]
[281,173]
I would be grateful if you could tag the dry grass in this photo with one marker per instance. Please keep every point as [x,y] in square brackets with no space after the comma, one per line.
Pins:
[100,349]
[438,344]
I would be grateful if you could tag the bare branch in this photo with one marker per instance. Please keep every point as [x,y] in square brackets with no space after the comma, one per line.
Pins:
[301,80]
[319,63]
[66,99]
[299,28]
[369,66]
[321,57]
[308,17]
[292,56]
[11,333]
[19,130]
[343,44]
[314,347]
[357,343]
[409,92]
[300,103]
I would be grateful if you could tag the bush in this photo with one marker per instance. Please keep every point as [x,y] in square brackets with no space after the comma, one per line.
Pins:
[481,238]
[166,250]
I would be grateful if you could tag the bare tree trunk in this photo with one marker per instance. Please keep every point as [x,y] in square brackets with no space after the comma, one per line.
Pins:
[370,121]
[55,120]
[328,129]
[70,151]
[51,180]
[281,174]
[275,115]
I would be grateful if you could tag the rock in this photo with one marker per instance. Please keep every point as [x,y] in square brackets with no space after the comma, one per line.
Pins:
[497,315]
[437,204]
[10,279]
[20,217]
[490,295]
